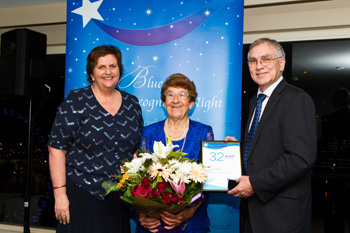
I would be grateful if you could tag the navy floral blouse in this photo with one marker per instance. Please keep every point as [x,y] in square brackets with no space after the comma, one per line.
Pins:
[196,132]
[96,141]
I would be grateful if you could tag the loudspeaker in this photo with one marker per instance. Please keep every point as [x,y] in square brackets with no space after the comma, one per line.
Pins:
[22,63]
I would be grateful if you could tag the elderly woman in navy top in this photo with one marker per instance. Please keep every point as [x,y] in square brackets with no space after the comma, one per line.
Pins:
[178,95]
[95,128]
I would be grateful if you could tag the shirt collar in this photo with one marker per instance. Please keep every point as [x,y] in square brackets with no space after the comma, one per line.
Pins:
[270,89]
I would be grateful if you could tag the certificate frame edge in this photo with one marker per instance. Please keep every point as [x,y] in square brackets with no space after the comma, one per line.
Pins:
[219,141]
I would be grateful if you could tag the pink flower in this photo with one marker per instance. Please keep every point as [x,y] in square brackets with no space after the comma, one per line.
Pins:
[179,188]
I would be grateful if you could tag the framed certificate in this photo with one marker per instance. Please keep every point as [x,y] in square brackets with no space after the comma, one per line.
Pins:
[222,161]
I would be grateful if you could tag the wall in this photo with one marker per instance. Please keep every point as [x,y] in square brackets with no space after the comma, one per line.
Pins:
[284,20]
[47,19]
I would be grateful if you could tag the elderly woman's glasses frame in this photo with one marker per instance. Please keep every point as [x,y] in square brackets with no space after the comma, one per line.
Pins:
[265,61]
[169,95]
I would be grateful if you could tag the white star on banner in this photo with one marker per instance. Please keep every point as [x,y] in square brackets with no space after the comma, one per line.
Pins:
[89,11]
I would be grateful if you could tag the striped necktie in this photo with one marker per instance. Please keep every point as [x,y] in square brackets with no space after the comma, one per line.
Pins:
[252,130]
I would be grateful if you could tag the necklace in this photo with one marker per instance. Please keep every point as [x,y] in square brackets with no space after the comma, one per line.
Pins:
[167,133]
[167,130]
[183,144]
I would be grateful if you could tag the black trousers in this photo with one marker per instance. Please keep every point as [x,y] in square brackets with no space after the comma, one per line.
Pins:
[90,215]
[245,226]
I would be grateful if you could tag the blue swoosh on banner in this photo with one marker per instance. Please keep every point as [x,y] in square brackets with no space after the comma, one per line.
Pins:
[163,34]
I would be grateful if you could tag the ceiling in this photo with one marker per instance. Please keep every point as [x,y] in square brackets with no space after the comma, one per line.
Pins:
[26,3]
[327,62]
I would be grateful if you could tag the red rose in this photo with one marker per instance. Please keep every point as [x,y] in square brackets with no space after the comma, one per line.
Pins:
[133,191]
[142,191]
[155,193]
[173,199]
[161,191]
[168,194]
[165,200]
[161,185]
[146,182]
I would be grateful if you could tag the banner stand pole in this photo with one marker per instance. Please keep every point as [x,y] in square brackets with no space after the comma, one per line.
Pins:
[27,194]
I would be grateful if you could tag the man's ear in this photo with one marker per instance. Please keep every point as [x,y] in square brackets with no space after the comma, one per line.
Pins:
[282,62]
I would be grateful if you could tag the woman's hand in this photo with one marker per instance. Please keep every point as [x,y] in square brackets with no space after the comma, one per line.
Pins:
[149,223]
[136,154]
[62,206]
[230,138]
[174,220]
[57,162]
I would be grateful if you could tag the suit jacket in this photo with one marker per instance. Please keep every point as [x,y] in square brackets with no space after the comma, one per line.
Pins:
[280,161]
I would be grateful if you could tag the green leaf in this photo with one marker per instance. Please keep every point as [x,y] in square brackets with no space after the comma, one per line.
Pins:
[125,160]
[169,141]
[153,184]
[148,163]
[128,193]
[140,150]
[127,199]
[169,189]
[108,185]
[112,188]
[159,178]
[157,199]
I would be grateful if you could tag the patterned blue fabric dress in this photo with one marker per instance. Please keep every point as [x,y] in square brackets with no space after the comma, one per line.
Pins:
[96,143]
[197,131]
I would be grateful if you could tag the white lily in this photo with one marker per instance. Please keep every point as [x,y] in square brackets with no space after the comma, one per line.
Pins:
[162,151]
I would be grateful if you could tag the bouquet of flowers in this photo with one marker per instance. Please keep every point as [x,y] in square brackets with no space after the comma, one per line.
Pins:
[161,181]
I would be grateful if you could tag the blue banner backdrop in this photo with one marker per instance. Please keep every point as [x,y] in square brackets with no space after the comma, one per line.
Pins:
[201,39]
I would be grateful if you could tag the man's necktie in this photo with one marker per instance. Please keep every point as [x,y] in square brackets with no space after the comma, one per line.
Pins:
[252,130]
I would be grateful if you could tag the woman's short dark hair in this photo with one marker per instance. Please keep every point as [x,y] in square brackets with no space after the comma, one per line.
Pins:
[102,51]
[180,80]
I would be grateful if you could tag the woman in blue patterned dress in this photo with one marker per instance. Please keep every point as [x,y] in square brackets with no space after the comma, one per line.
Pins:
[95,128]
[178,95]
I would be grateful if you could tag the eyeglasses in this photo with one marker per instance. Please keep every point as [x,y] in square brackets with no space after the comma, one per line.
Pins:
[171,95]
[263,61]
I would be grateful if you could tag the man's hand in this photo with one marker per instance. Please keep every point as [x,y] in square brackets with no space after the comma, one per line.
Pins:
[243,189]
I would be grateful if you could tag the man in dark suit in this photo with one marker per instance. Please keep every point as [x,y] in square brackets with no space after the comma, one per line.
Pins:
[275,188]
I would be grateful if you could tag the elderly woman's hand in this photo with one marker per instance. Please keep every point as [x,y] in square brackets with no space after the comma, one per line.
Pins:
[230,138]
[136,154]
[173,220]
[150,223]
